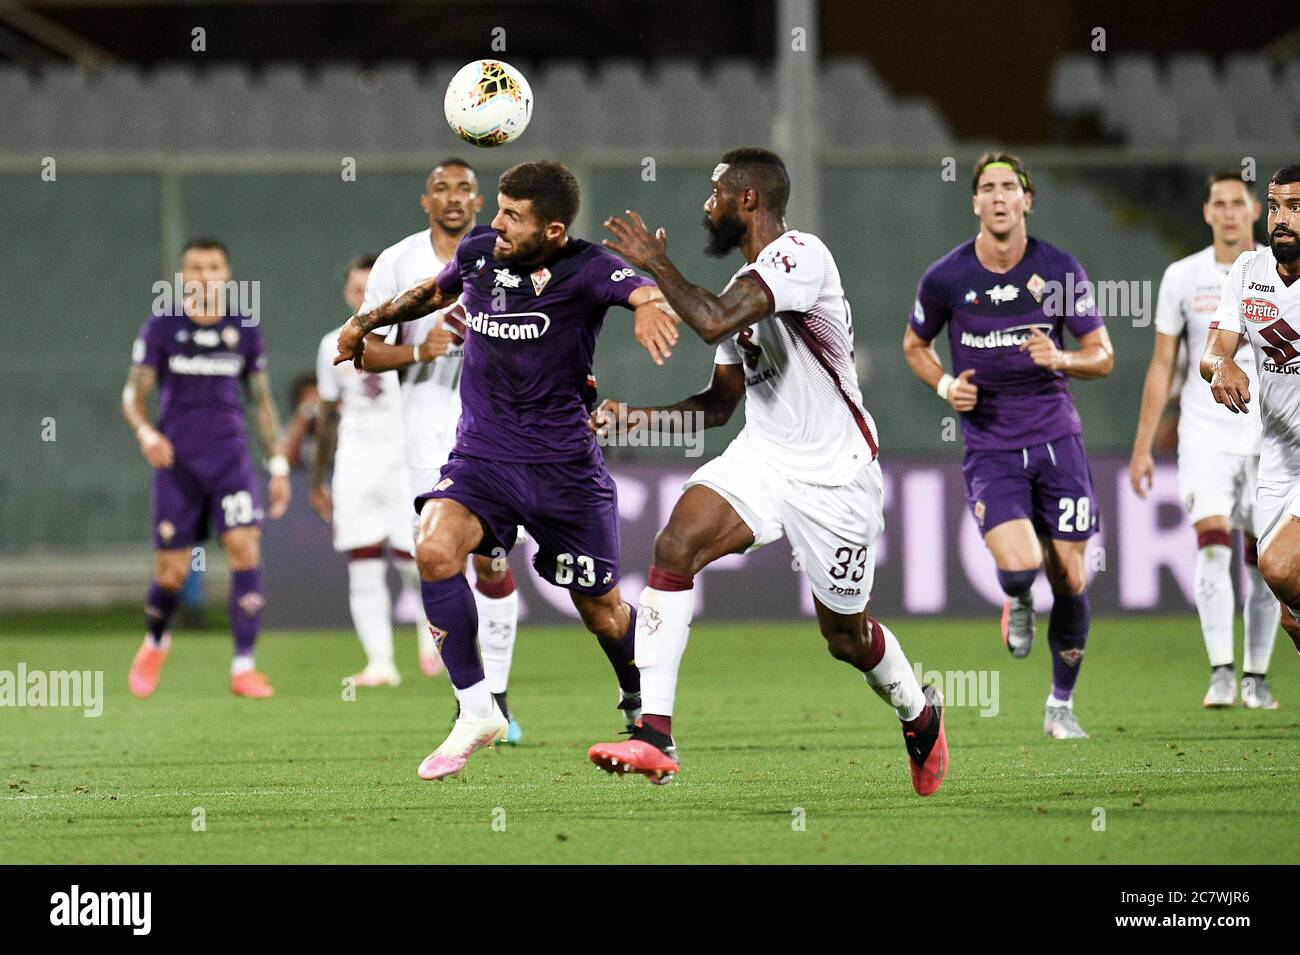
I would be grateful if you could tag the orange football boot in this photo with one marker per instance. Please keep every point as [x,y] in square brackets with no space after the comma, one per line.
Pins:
[927,750]
[251,684]
[146,668]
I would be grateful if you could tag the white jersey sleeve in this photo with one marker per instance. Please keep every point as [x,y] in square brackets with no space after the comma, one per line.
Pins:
[327,382]
[1228,315]
[791,271]
[1170,319]
[727,353]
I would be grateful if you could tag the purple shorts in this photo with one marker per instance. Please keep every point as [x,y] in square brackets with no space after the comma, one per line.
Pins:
[191,497]
[569,507]
[1049,484]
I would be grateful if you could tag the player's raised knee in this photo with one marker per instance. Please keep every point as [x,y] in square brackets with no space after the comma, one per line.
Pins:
[437,558]
[675,551]
[1277,571]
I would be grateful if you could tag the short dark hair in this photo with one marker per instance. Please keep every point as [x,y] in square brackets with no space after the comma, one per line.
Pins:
[1011,159]
[366,261]
[548,185]
[205,244]
[764,171]
[1224,175]
[1285,176]
[449,161]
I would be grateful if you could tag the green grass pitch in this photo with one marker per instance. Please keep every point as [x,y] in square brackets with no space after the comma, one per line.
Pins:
[767,723]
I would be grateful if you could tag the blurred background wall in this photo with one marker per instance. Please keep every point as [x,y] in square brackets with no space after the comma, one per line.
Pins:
[119,140]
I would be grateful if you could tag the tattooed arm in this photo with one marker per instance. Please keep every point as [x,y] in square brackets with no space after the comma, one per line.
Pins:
[266,423]
[327,442]
[712,407]
[155,447]
[417,300]
[713,317]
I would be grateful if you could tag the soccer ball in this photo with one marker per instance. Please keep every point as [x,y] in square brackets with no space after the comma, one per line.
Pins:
[488,103]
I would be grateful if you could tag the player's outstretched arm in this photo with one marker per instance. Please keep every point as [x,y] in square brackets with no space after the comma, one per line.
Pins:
[380,356]
[266,423]
[711,408]
[1155,395]
[654,322]
[960,392]
[712,317]
[1228,383]
[155,447]
[419,299]
[327,442]
[1094,358]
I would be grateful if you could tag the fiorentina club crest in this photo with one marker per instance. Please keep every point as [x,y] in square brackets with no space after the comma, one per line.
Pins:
[439,635]
[1072,656]
[540,278]
[1035,286]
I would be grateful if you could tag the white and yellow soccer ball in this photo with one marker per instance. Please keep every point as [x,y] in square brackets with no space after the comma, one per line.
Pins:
[488,103]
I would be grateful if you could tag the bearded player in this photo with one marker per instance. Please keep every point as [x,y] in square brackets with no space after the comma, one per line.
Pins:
[804,466]
[429,357]
[369,500]
[1261,300]
[534,300]
[1007,300]
[201,355]
[1218,454]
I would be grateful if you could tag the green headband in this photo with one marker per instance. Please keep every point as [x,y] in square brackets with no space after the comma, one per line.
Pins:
[999,164]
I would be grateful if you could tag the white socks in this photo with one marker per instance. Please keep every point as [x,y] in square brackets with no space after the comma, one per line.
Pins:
[1263,615]
[498,623]
[371,608]
[477,700]
[241,665]
[663,625]
[893,679]
[1214,601]
[410,574]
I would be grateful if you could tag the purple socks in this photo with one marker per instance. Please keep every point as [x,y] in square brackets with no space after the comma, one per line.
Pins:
[1067,633]
[246,604]
[158,608]
[453,616]
[622,657]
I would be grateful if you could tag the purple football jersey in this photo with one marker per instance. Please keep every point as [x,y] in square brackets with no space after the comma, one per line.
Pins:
[989,315]
[201,369]
[530,337]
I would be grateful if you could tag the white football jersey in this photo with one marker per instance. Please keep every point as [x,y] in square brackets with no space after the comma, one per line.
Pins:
[370,408]
[430,390]
[1259,305]
[1189,296]
[803,407]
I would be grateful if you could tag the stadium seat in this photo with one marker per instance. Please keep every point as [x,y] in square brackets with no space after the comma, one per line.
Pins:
[633,117]
[739,84]
[680,82]
[17,91]
[865,110]
[915,123]
[1076,86]
[1248,78]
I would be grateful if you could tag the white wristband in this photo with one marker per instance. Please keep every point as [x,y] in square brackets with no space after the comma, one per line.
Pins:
[944,384]
[278,466]
[144,429]
[415,350]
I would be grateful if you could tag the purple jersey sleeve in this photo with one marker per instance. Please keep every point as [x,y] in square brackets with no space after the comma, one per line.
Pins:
[1083,317]
[930,312]
[147,348]
[610,280]
[254,348]
[449,279]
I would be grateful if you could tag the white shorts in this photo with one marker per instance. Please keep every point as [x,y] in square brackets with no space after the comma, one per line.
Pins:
[372,509]
[1211,483]
[1274,503]
[832,530]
